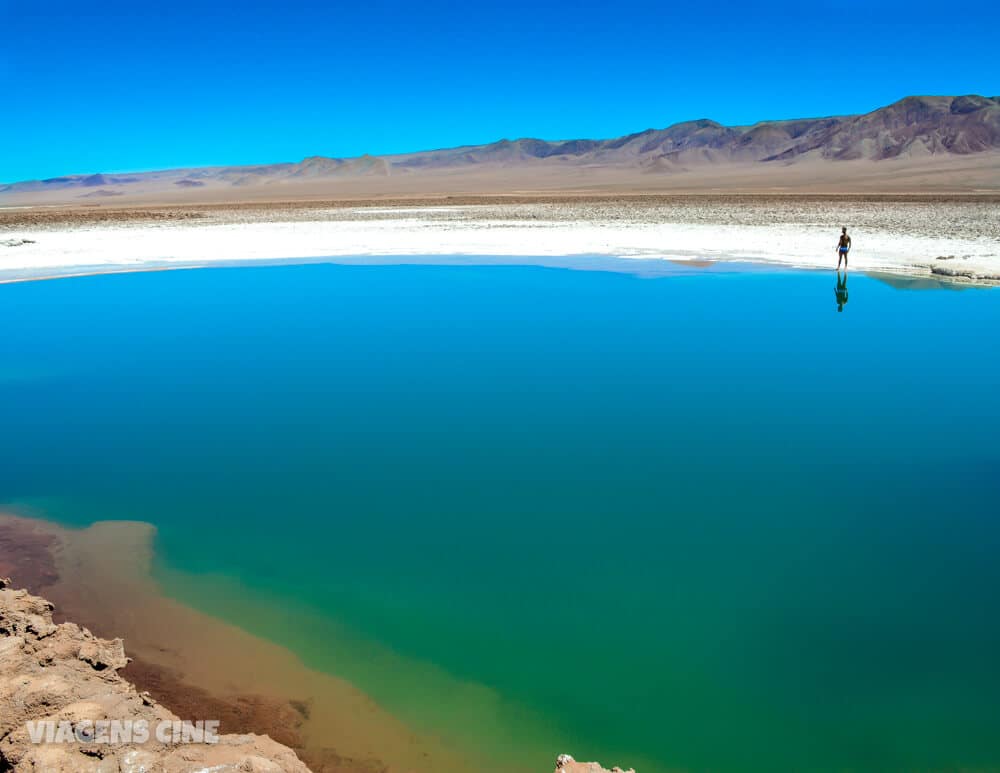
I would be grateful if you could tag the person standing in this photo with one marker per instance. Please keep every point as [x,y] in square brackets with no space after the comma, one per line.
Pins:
[843,247]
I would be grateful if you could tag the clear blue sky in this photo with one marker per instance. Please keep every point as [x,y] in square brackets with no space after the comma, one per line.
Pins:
[106,85]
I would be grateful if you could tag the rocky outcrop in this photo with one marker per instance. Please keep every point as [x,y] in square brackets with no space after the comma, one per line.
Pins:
[566,764]
[65,709]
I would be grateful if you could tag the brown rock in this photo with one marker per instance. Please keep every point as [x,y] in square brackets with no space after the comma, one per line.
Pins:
[65,674]
[566,764]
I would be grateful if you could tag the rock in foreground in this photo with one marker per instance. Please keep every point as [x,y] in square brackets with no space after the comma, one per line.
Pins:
[60,678]
[62,702]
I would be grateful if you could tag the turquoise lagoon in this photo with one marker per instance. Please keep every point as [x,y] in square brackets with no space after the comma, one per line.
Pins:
[700,520]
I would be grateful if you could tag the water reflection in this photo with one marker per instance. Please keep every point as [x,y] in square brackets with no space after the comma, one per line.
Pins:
[841,291]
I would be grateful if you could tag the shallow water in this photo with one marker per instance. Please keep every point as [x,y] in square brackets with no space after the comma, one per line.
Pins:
[700,521]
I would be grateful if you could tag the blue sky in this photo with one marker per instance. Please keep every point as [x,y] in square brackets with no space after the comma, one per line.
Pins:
[106,85]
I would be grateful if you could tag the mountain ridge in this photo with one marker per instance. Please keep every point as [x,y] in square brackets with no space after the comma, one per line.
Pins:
[917,127]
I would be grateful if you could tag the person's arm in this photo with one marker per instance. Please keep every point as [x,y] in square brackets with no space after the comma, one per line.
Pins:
[848,243]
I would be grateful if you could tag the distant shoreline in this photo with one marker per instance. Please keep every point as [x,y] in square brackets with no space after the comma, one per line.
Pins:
[602,263]
[955,237]
[82,274]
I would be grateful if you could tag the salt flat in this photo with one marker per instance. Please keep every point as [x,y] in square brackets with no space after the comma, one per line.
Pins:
[949,236]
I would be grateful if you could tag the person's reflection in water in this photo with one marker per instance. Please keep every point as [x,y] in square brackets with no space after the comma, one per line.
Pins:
[841,291]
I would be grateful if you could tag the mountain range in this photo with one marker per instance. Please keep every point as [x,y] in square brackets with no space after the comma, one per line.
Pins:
[930,132]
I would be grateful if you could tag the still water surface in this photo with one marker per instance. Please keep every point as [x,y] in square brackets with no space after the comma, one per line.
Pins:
[701,521]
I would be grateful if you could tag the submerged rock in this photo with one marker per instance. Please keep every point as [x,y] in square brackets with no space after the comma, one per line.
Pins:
[566,764]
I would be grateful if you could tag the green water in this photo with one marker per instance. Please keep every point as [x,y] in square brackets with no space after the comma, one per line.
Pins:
[700,521]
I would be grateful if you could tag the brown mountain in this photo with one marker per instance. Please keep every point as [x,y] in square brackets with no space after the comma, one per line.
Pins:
[915,128]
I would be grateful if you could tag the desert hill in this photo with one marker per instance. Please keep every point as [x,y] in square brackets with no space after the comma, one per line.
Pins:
[917,143]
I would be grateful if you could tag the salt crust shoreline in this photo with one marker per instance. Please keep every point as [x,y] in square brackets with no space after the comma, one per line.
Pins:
[945,241]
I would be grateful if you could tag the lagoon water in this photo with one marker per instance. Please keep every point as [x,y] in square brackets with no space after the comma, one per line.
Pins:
[698,521]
